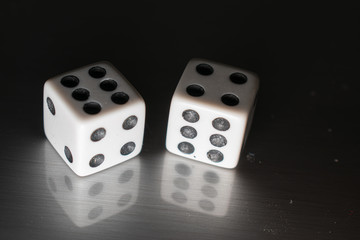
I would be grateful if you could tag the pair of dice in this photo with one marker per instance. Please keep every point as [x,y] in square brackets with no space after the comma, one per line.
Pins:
[95,118]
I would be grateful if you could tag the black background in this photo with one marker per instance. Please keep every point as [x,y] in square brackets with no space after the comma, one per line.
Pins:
[306,128]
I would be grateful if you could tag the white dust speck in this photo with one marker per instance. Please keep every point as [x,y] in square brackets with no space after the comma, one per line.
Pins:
[250,157]
[268,230]
[291,201]
[336,160]
[330,130]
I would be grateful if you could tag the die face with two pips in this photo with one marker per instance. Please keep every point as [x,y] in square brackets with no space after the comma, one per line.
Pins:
[211,112]
[93,117]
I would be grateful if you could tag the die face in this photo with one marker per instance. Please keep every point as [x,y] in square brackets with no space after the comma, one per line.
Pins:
[90,95]
[220,125]
[221,87]
[222,146]
[88,201]
[196,186]
[61,127]
[114,138]
[97,138]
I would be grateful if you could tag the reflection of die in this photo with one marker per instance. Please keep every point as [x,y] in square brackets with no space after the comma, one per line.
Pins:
[93,117]
[89,200]
[196,186]
[211,112]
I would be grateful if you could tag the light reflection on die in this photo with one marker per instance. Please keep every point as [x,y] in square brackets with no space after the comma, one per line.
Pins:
[196,186]
[89,200]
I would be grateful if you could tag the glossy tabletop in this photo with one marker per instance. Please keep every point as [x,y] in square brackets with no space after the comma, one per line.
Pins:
[298,176]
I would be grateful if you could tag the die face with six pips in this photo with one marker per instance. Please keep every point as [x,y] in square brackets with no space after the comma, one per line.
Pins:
[93,117]
[211,111]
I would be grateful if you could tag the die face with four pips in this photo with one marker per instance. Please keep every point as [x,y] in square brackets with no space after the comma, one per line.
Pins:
[211,111]
[93,117]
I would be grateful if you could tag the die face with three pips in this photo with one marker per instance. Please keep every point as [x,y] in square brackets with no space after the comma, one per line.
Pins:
[211,111]
[93,117]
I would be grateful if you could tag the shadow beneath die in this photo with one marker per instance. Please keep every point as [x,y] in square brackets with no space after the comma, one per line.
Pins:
[196,186]
[88,200]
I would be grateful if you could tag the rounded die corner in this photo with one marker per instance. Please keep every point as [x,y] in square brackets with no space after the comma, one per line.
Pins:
[167,146]
[46,83]
[84,174]
[232,166]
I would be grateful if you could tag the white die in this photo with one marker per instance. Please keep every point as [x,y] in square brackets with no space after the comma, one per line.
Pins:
[93,117]
[87,201]
[211,112]
[196,186]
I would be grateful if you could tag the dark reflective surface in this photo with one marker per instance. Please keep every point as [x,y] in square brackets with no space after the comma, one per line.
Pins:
[298,176]
[196,186]
[87,201]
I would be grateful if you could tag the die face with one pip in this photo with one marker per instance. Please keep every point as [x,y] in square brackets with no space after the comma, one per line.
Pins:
[211,111]
[93,117]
